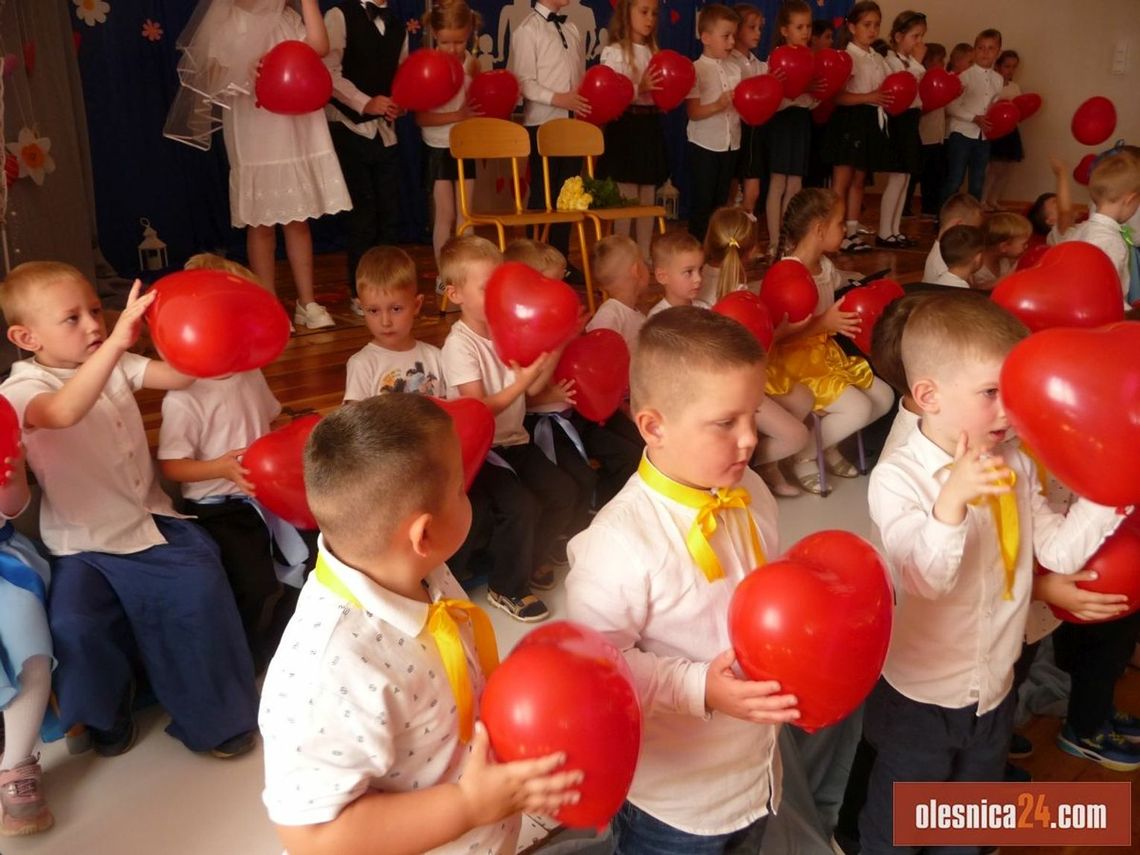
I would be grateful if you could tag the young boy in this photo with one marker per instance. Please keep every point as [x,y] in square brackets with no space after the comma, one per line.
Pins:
[658,585]
[532,500]
[966,124]
[130,578]
[367,715]
[961,209]
[677,258]
[541,256]
[1006,237]
[714,124]
[962,248]
[943,709]
[621,272]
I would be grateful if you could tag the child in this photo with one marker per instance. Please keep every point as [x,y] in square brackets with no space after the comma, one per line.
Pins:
[1004,151]
[730,244]
[714,125]
[961,209]
[752,163]
[541,256]
[130,579]
[822,35]
[677,258]
[530,496]
[26,663]
[847,395]
[283,168]
[962,248]
[1007,236]
[908,49]
[384,637]
[708,774]
[635,142]
[966,145]
[789,130]
[819,172]
[943,709]
[961,57]
[932,135]
[855,141]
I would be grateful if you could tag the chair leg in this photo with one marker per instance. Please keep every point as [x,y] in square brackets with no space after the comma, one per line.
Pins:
[586,274]
[502,237]
[661,225]
[820,461]
[861,463]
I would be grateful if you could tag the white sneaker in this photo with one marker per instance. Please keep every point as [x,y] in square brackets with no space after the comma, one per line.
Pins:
[314,316]
[357,309]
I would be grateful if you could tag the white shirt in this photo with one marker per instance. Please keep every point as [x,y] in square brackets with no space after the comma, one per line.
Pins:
[439,136]
[614,57]
[1009,91]
[948,277]
[898,62]
[1103,232]
[345,90]
[904,424]
[826,282]
[543,66]
[211,417]
[720,131]
[935,266]
[617,316]
[664,304]
[356,700]
[99,489]
[868,70]
[980,88]
[955,639]
[750,66]
[632,579]
[468,357]
[375,370]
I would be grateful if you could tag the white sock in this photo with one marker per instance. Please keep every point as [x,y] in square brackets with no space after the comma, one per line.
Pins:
[852,228]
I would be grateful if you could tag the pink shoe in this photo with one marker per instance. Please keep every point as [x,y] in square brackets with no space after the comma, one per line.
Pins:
[22,798]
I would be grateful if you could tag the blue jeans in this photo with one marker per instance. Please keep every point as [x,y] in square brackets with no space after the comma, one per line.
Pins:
[964,153]
[638,833]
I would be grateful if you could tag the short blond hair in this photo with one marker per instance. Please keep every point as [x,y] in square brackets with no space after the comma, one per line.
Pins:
[959,207]
[713,14]
[385,269]
[534,254]
[666,247]
[1115,177]
[1005,225]
[27,278]
[461,251]
[612,257]
[213,261]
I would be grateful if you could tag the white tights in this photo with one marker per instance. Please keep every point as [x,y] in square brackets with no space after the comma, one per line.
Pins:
[854,410]
[891,208]
[645,194]
[781,189]
[25,713]
[780,421]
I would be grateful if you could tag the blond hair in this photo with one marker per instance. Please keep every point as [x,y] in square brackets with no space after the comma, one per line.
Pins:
[213,261]
[612,258]
[1005,225]
[713,14]
[384,270]
[454,15]
[534,254]
[959,207]
[621,33]
[730,239]
[461,251]
[666,247]
[27,278]
[1115,177]
[807,207]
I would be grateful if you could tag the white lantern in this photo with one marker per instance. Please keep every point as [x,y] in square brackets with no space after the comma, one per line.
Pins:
[668,198]
[152,251]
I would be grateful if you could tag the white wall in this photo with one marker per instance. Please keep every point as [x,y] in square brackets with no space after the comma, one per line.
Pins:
[1066,49]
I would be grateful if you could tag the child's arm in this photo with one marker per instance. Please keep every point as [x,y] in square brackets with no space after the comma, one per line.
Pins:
[14,495]
[561,392]
[1064,195]
[833,321]
[1063,542]
[499,401]
[523,63]
[1058,589]
[697,110]
[877,98]
[434,120]
[316,36]
[228,466]
[161,375]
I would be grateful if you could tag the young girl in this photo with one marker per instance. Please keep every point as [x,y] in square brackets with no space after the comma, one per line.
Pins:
[283,169]
[856,139]
[752,162]
[908,48]
[1004,151]
[635,142]
[847,395]
[452,26]
[25,663]
[961,57]
[932,134]
[789,131]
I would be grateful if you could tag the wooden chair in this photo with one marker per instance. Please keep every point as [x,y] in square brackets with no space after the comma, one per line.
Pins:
[497,139]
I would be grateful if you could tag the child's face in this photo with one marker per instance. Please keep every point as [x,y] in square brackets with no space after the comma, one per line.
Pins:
[65,324]
[748,34]
[452,519]
[797,31]
[962,62]
[719,39]
[866,29]
[1007,68]
[911,40]
[1051,211]
[470,295]
[643,20]
[965,399]
[823,41]
[557,273]
[832,231]
[390,316]
[555,5]
[1014,247]
[986,52]
[681,276]
[453,42]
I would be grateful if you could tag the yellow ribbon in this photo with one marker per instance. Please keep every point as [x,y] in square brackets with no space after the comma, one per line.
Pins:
[444,617]
[1004,511]
[1042,472]
[704,526]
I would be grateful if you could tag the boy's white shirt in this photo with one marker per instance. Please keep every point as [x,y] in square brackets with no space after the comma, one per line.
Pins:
[544,67]
[663,304]
[467,357]
[935,266]
[617,316]
[949,277]
[1103,232]
[719,132]
[376,370]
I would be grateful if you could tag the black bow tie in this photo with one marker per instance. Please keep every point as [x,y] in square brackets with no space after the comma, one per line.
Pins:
[558,21]
[375,12]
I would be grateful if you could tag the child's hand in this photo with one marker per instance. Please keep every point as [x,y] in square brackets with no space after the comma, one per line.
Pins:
[974,474]
[725,100]
[230,468]
[573,102]
[382,105]
[879,98]
[494,791]
[650,80]
[1060,590]
[563,390]
[780,74]
[745,699]
[835,320]
[126,331]
[530,373]
[471,110]
[983,123]
[1057,165]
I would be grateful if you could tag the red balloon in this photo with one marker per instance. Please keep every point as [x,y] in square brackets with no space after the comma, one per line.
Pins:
[938,88]
[427,79]
[757,98]
[1074,284]
[749,310]
[822,112]
[902,86]
[675,75]
[277,472]
[788,289]
[832,68]
[1003,118]
[608,92]
[869,302]
[828,602]
[1117,565]
[798,66]
[209,323]
[1027,104]
[495,93]
[9,438]
[528,314]
[1094,121]
[1072,396]
[292,80]
[564,688]
[1032,256]
[598,363]
[1082,172]
[475,425]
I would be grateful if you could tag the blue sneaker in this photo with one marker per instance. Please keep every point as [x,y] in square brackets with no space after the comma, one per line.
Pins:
[1106,747]
[1126,725]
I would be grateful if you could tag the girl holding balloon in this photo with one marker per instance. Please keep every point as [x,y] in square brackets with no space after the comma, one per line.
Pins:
[1004,151]
[908,49]
[753,160]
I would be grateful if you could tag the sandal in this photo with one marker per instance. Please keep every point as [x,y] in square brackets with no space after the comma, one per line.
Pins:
[777,483]
[839,465]
[807,474]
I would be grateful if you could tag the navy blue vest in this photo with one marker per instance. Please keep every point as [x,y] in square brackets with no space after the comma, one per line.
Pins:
[370,59]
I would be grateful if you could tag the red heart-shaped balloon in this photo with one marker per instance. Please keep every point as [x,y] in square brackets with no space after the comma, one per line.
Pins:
[675,78]
[1074,284]
[209,323]
[822,112]
[938,88]
[1003,118]
[533,706]
[828,602]
[757,98]
[598,363]
[9,438]
[748,309]
[427,79]
[276,464]
[1082,172]
[528,314]
[608,92]
[292,80]
[1027,104]
[788,289]
[869,302]
[1032,256]
[798,65]
[495,93]
[1117,565]
[1094,121]
[475,425]
[902,86]
[832,68]
[1073,396]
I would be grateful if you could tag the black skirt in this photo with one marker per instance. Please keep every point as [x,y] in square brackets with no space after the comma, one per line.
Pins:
[753,159]
[1007,147]
[789,141]
[853,138]
[635,148]
[905,142]
[439,165]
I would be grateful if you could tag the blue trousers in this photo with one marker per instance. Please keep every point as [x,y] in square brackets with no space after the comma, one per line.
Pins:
[962,154]
[638,833]
[169,607]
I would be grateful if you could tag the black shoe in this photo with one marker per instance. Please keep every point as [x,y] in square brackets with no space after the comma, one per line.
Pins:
[891,242]
[236,746]
[575,276]
[853,245]
[905,242]
[1019,747]
[123,734]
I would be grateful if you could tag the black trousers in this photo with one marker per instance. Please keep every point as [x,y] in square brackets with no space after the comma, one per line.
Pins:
[561,168]
[569,461]
[618,447]
[372,175]
[1094,655]
[710,174]
[551,489]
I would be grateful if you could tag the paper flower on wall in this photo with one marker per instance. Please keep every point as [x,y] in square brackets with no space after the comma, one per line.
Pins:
[412,25]
[151,30]
[92,12]
[32,155]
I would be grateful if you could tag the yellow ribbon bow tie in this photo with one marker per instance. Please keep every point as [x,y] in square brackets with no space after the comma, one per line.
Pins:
[444,617]
[707,505]
[1008,526]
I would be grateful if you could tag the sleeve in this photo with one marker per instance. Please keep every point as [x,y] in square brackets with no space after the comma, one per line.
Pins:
[523,63]
[180,433]
[268,404]
[343,89]
[20,390]
[961,107]
[359,383]
[436,359]
[459,361]
[601,319]
[134,367]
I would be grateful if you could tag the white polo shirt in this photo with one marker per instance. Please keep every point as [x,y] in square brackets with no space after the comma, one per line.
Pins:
[467,357]
[720,131]
[617,316]
[1103,232]
[950,278]
[980,88]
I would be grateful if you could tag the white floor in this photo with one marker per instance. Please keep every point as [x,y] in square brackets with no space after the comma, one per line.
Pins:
[160,798]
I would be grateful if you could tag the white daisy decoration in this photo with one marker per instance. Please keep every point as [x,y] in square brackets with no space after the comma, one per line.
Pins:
[32,155]
[92,12]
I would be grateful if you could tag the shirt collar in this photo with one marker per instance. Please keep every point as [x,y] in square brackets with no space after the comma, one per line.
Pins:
[929,455]
[1104,220]
[543,12]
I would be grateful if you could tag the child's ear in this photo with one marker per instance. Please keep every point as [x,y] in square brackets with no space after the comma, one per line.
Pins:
[453,295]
[659,275]
[23,338]
[651,425]
[924,392]
[419,534]
[418,305]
